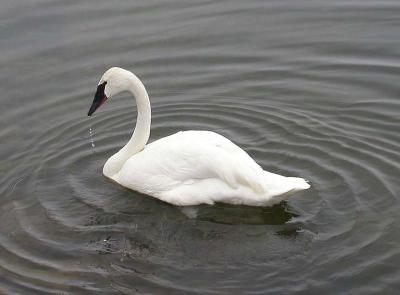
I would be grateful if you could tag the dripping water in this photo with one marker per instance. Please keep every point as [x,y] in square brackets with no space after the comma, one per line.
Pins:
[91,135]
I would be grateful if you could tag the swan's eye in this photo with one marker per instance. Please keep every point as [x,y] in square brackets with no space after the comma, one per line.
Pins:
[99,98]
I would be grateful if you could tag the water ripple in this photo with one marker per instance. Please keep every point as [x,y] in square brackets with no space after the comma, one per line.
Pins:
[307,89]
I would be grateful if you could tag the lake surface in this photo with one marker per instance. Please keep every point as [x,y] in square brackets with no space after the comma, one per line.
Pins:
[307,88]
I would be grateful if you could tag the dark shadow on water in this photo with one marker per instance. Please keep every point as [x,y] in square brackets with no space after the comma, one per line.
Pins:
[238,214]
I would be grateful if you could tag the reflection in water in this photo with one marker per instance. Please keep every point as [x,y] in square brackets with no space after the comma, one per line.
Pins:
[230,214]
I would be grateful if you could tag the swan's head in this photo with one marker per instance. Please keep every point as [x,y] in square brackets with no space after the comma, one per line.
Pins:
[113,81]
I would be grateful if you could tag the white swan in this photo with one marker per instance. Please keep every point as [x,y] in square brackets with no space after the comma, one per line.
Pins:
[188,167]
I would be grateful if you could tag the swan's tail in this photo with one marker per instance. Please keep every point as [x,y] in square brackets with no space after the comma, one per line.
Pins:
[292,185]
[281,188]
[278,184]
[298,184]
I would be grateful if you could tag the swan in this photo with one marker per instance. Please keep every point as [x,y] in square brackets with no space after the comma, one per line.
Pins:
[189,167]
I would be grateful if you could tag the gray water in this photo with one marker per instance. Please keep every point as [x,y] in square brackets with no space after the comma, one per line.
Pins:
[307,88]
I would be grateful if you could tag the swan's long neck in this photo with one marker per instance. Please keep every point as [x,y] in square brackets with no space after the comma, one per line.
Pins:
[142,130]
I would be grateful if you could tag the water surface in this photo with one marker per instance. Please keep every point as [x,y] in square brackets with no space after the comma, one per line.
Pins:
[307,88]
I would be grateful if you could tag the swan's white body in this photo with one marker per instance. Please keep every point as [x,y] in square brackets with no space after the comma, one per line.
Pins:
[189,167]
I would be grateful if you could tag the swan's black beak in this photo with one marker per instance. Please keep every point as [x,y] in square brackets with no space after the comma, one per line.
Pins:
[99,98]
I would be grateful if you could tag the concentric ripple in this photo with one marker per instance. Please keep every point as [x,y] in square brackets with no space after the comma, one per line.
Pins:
[307,89]
[83,226]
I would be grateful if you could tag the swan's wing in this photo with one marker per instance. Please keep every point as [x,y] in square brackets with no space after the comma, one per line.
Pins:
[190,156]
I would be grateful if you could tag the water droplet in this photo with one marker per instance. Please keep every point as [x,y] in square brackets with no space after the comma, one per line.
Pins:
[91,135]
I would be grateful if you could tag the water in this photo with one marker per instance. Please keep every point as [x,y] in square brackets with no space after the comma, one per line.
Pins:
[308,88]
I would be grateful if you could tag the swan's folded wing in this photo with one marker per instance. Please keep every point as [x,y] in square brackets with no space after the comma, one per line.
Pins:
[190,156]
